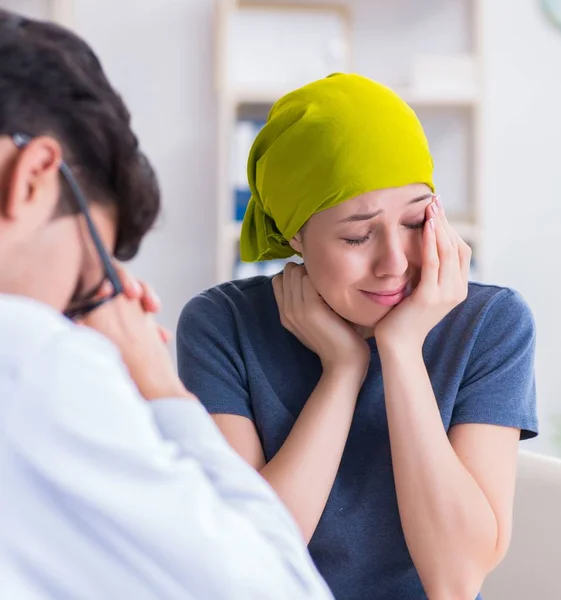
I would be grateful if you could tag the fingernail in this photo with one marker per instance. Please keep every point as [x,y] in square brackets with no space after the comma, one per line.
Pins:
[434,208]
[137,288]
[431,224]
[438,202]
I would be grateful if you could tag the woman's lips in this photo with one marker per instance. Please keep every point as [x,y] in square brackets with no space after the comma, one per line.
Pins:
[389,298]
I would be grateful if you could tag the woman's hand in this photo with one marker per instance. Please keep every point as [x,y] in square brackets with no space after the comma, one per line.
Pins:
[306,315]
[443,284]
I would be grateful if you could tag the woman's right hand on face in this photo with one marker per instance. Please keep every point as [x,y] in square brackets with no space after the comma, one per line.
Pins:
[139,338]
[306,315]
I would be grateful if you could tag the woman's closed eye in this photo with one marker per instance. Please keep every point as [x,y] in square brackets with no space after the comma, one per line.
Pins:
[418,225]
[360,240]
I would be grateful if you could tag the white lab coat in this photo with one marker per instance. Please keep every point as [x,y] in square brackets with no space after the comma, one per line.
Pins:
[105,496]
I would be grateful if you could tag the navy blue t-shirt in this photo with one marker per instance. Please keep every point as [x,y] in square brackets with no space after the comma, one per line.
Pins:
[237,358]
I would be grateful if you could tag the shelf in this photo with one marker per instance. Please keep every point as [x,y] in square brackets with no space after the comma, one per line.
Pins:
[234,231]
[62,12]
[440,99]
[444,98]
[258,95]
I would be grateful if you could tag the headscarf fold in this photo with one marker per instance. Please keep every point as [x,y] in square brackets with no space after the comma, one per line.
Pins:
[325,143]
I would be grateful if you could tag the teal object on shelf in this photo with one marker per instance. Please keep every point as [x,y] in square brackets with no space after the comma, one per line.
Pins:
[552,9]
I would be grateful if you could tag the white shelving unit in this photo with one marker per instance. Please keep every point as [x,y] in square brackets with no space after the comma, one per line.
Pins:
[61,11]
[451,115]
[267,96]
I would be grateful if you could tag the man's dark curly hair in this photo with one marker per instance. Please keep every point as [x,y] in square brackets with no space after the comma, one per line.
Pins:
[51,83]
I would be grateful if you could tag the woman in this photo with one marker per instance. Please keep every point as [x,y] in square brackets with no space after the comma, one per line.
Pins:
[380,394]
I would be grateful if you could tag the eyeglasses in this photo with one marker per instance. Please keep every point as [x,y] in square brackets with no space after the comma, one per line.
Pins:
[86,305]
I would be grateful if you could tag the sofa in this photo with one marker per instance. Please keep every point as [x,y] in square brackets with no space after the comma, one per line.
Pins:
[532,567]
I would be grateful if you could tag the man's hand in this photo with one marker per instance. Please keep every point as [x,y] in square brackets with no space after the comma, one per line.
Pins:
[129,324]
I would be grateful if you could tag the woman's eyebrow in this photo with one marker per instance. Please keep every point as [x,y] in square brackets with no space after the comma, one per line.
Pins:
[371,215]
[360,217]
[421,198]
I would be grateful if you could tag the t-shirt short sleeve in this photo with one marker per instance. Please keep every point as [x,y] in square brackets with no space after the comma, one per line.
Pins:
[499,383]
[209,356]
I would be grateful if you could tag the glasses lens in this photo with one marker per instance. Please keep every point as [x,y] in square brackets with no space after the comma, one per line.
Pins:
[77,311]
[84,304]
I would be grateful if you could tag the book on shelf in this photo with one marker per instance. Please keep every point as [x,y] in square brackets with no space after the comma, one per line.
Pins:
[245,132]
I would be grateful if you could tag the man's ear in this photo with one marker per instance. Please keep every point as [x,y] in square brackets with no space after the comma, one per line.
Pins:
[34,181]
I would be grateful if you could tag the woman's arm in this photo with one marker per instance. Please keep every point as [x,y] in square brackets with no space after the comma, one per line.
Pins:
[455,493]
[304,469]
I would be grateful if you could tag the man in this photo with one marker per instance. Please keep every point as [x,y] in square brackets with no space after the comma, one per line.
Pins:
[114,481]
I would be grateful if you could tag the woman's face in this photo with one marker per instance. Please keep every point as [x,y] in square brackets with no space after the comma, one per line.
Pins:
[364,256]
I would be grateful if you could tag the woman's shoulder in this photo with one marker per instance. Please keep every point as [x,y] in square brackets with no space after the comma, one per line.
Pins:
[242,299]
[239,292]
[486,308]
[483,298]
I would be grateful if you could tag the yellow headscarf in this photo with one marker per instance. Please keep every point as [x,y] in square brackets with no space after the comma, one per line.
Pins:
[325,143]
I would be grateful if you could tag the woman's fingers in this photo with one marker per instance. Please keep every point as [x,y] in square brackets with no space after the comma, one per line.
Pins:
[454,256]
[447,254]
[464,253]
[450,232]
[449,274]
[288,303]
[292,291]
[430,261]
[278,290]
[462,248]
[309,292]
[296,288]
[293,294]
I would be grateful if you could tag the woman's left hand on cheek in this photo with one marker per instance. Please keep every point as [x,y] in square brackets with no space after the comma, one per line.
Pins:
[443,284]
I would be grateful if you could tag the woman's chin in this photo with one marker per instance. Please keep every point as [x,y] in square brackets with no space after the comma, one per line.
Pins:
[364,321]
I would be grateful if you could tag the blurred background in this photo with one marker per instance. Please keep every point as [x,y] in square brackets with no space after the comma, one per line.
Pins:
[483,75]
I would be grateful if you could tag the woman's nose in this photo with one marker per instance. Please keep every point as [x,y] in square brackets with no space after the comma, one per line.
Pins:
[391,260]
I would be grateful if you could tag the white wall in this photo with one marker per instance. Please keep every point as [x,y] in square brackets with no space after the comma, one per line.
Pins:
[522,199]
[159,55]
